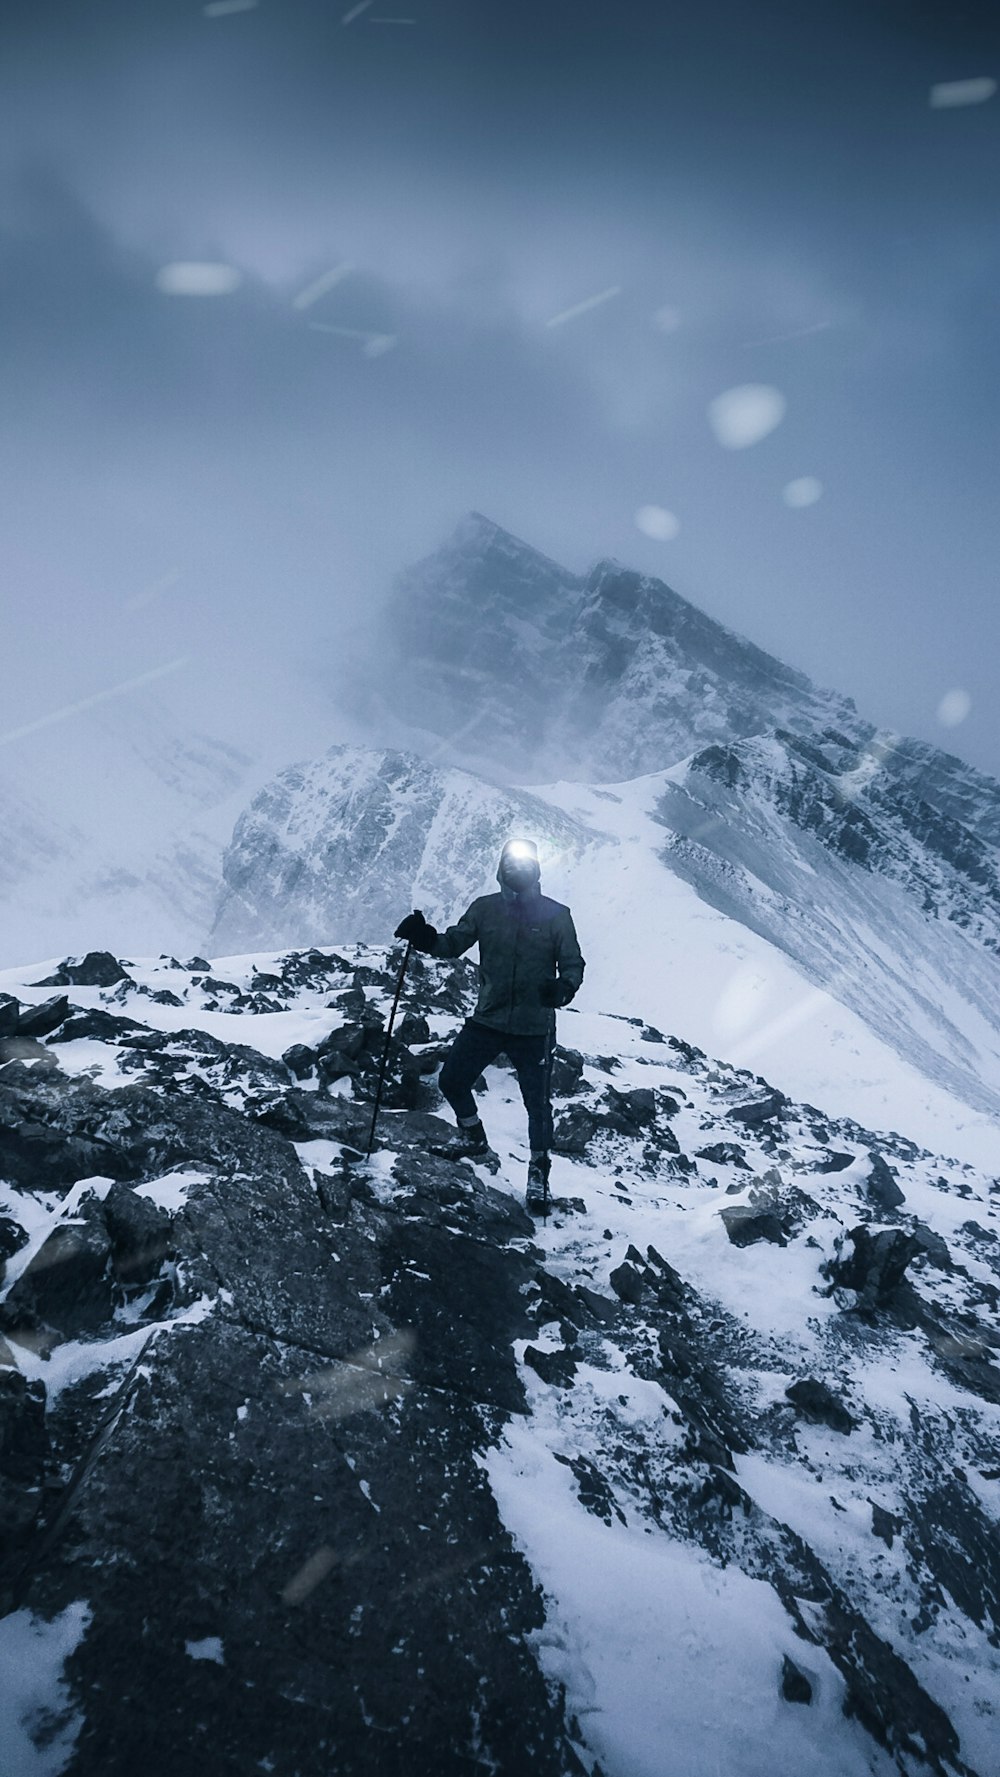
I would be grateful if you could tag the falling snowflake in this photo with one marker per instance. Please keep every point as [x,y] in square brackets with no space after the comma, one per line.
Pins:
[190,277]
[805,490]
[950,93]
[953,708]
[656,521]
[667,319]
[744,415]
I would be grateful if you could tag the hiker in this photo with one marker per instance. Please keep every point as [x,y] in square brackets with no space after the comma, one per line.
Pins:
[529,963]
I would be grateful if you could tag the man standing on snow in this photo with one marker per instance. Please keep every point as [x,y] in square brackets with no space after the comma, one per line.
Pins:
[529,963]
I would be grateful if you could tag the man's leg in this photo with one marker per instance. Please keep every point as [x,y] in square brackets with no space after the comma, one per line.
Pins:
[532,1058]
[473,1049]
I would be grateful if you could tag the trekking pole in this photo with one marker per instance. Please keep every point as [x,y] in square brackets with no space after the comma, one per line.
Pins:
[550,1049]
[385,1052]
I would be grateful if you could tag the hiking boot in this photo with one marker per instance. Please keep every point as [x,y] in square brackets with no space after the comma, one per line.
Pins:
[537,1195]
[470,1142]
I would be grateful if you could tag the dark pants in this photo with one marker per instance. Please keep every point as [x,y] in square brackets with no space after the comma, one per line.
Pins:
[475,1046]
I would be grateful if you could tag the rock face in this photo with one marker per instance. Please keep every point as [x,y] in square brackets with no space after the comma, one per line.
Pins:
[321,1445]
[349,842]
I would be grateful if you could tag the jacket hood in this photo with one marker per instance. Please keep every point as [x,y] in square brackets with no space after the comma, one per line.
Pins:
[508,891]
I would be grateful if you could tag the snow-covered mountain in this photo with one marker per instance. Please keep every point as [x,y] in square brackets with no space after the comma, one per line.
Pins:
[313,1463]
[349,842]
[492,657]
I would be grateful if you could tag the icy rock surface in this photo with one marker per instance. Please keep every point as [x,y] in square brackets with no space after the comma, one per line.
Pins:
[351,1466]
[350,841]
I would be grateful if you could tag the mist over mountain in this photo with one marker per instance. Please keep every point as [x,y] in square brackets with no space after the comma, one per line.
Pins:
[496,658]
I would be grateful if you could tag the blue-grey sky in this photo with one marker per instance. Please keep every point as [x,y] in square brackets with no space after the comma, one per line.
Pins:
[559,234]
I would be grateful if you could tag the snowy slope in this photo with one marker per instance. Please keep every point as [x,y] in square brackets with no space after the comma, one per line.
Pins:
[115,818]
[907,1037]
[755,1483]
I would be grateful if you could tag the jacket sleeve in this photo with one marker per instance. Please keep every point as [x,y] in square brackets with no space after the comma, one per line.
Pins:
[459,937]
[569,960]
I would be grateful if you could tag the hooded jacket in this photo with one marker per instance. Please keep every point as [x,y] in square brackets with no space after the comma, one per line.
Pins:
[524,939]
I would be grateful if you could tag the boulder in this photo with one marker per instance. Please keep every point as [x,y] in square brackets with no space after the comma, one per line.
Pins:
[413,1028]
[66,1289]
[573,1130]
[141,1235]
[817,1403]
[881,1187]
[41,1020]
[9,1012]
[94,1022]
[746,1224]
[758,1111]
[12,1238]
[724,1153]
[795,1686]
[876,1266]
[300,1059]
[98,969]
[628,1113]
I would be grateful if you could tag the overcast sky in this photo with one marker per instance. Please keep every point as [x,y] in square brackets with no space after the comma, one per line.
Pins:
[555,235]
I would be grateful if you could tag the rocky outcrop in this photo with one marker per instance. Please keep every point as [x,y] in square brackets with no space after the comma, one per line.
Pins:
[255,1387]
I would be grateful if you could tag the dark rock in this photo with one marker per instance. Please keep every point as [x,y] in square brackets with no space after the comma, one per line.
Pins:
[627,1113]
[346,1041]
[567,1072]
[40,1157]
[650,1034]
[41,1020]
[881,1187]
[12,1238]
[573,1130]
[414,1028]
[300,1059]
[627,1283]
[98,969]
[876,1266]
[931,1246]
[24,1459]
[352,1002]
[723,1153]
[836,1162]
[9,1010]
[28,1049]
[594,1491]
[94,1021]
[795,1686]
[212,984]
[817,1403]
[66,1289]
[556,1367]
[885,1525]
[198,963]
[758,1110]
[164,997]
[140,1233]
[744,1224]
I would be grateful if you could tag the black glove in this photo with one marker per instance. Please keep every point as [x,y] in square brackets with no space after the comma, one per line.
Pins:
[556,993]
[415,929]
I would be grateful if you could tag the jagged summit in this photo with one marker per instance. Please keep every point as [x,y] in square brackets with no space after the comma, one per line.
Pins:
[524,670]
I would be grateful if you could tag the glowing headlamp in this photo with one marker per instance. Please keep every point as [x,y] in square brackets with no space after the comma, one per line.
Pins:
[522,850]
